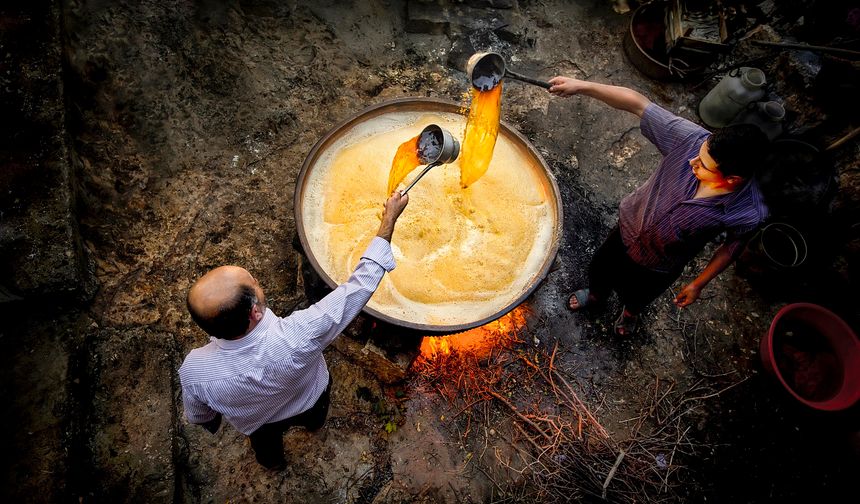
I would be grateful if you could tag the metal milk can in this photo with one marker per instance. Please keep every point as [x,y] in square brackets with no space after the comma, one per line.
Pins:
[767,116]
[731,95]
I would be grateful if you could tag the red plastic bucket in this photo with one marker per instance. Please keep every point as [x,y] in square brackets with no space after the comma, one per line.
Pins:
[814,355]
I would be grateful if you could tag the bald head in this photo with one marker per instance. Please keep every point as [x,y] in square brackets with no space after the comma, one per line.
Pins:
[227,302]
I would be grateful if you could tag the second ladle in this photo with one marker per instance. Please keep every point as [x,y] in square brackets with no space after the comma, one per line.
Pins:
[486,70]
[436,146]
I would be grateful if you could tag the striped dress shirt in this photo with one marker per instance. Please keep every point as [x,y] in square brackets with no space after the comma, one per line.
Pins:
[661,224]
[277,370]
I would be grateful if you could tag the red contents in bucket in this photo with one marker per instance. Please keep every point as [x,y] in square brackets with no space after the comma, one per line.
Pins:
[806,361]
[650,33]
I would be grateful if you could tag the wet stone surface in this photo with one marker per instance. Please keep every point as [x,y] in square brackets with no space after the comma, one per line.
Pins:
[40,248]
[188,124]
[130,419]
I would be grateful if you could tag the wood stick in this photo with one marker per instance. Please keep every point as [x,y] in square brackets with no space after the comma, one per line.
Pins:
[715,394]
[806,47]
[612,472]
[599,427]
[838,143]
[520,415]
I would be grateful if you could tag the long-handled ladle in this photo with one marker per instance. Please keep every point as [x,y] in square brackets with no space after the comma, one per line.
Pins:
[486,70]
[436,146]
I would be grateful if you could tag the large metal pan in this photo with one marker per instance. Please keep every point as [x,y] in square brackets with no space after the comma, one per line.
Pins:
[427,105]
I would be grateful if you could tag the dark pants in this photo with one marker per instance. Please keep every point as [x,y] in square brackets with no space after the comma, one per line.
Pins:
[612,269]
[267,441]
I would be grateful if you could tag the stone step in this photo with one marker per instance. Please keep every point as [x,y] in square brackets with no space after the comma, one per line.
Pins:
[40,247]
[132,422]
[447,18]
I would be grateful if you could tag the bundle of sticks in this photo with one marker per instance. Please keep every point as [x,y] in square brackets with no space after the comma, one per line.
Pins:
[559,450]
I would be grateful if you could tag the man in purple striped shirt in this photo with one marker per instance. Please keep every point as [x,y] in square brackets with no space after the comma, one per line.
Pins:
[702,188]
[264,373]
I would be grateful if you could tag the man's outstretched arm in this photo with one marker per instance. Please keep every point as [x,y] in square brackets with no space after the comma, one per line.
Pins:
[324,320]
[618,97]
[719,261]
[392,209]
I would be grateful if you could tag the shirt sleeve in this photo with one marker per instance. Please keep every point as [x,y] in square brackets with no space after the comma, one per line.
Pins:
[323,321]
[737,238]
[666,130]
[196,411]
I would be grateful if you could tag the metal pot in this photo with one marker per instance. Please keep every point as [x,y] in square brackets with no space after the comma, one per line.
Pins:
[653,62]
[429,105]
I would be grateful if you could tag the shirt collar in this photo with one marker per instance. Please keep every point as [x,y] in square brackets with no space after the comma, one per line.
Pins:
[723,200]
[728,200]
[250,338]
[734,196]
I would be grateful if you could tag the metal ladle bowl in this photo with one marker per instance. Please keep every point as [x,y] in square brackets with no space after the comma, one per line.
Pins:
[436,146]
[486,70]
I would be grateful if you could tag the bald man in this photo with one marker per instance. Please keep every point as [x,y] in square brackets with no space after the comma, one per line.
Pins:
[264,373]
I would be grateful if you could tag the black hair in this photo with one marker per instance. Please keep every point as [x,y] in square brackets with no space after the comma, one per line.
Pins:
[231,320]
[738,149]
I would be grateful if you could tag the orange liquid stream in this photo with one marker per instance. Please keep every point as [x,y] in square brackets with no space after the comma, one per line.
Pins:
[482,128]
[405,160]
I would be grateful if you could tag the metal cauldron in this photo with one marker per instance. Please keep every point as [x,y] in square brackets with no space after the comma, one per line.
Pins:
[644,45]
[429,106]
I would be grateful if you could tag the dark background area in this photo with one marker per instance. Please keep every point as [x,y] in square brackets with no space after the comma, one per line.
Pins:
[143,143]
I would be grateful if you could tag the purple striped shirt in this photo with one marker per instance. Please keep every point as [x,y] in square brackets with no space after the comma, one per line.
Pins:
[661,224]
[277,370]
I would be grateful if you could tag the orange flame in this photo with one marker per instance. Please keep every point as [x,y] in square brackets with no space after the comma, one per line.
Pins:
[405,160]
[482,128]
[479,340]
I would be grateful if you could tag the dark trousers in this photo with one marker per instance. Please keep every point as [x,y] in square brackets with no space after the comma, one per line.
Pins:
[612,269]
[267,441]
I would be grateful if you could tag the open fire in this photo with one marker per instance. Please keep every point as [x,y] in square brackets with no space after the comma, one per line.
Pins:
[478,341]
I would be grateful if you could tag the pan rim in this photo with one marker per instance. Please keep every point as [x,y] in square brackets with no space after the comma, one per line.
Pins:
[430,105]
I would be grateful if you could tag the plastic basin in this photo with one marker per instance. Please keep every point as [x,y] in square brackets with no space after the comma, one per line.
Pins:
[815,355]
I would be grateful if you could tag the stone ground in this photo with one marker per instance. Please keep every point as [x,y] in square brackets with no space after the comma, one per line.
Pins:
[187,125]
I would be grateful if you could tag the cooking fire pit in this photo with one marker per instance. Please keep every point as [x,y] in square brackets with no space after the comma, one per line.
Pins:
[465,257]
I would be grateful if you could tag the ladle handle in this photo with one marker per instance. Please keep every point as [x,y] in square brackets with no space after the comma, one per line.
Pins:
[423,172]
[536,82]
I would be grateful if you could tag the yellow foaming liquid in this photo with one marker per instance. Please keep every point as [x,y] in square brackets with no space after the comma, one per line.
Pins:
[461,254]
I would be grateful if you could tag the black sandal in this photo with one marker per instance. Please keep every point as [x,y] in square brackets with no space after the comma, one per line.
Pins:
[625,326]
